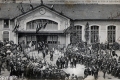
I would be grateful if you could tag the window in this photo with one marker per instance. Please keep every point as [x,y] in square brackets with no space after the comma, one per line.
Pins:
[6,23]
[76,35]
[31,38]
[94,34]
[52,39]
[33,24]
[30,25]
[111,34]
[78,30]
[5,36]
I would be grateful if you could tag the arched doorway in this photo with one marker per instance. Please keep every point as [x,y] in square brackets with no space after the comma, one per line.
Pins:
[47,34]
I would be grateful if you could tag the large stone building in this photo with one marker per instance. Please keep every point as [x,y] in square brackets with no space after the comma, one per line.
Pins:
[103,22]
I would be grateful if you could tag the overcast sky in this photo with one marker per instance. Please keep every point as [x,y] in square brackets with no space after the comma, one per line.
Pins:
[67,1]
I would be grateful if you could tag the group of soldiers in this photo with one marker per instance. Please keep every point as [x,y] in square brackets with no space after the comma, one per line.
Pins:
[43,47]
[105,64]
[63,61]
[95,61]
[20,64]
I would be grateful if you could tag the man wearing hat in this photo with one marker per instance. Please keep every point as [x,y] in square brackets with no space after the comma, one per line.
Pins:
[74,61]
[51,55]
[104,71]
[66,62]
[58,63]
[43,52]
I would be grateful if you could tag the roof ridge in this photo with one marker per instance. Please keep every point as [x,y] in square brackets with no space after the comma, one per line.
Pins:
[77,11]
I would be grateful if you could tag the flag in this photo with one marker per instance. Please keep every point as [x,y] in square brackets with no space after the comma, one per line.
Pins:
[16,27]
[31,6]
[52,6]
[38,28]
[22,9]
[41,1]
[45,25]
[70,29]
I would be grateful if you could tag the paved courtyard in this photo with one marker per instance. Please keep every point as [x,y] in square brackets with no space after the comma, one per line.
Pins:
[79,70]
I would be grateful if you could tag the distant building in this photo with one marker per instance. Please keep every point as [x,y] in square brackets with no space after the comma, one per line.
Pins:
[103,22]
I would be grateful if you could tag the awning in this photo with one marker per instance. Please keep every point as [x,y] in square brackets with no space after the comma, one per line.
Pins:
[42,32]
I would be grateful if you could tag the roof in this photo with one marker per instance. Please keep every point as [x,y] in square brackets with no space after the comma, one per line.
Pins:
[42,5]
[11,10]
[73,11]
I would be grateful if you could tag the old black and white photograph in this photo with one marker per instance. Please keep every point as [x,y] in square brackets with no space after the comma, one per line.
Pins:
[59,39]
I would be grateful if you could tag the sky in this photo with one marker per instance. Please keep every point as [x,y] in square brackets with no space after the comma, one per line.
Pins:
[66,1]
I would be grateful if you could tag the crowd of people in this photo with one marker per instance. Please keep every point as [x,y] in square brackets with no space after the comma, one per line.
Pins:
[19,63]
[95,60]
[16,60]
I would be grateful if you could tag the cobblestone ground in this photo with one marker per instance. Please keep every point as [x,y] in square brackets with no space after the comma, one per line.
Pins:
[79,70]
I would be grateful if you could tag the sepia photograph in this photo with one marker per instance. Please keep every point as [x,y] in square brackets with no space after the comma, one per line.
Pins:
[59,39]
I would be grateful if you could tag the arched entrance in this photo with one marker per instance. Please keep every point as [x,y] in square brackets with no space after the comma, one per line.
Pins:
[47,34]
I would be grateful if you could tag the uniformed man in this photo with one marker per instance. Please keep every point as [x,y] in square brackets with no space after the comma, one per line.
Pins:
[86,73]
[62,61]
[104,71]
[39,47]
[43,52]
[96,73]
[51,55]
[75,61]
[58,63]
[71,62]
[66,62]
[89,71]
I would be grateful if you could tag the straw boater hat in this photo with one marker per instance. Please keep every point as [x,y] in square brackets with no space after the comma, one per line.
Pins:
[8,51]
[7,45]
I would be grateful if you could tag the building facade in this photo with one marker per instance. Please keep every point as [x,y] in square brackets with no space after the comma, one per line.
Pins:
[54,20]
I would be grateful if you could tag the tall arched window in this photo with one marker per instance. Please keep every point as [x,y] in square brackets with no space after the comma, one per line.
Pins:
[76,36]
[111,34]
[94,34]
[78,30]
[5,36]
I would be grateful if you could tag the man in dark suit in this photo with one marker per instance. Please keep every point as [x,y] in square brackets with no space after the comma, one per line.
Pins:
[75,61]
[39,47]
[58,63]
[51,55]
